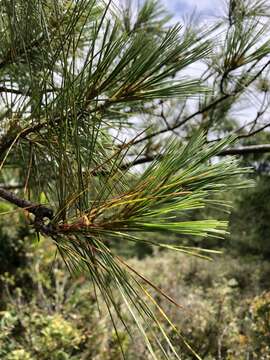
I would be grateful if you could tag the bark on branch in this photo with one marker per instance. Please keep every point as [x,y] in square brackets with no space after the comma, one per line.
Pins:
[246,150]
[8,139]
[38,210]
[242,150]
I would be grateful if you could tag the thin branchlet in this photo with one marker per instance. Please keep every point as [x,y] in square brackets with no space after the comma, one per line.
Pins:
[41,212]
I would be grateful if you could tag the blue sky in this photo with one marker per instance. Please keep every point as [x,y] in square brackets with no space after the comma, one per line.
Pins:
[178,8]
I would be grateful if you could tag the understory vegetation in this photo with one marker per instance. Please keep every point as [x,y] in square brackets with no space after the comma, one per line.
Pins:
[49,315]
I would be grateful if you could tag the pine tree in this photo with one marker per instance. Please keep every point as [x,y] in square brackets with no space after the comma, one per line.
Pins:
[89,90]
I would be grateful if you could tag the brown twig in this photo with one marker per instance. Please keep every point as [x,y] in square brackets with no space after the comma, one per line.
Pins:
[184,121]
[38,210]
[7,140]
[242,150]
[207,107]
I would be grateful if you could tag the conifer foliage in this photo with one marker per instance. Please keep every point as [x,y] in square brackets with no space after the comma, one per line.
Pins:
[78,83]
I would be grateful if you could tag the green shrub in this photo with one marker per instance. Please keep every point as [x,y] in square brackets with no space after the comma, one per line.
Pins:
[225,312]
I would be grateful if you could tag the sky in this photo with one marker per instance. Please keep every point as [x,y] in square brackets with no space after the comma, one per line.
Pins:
[178,8]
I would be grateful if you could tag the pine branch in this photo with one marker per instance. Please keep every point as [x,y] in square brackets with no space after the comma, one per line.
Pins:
[252,133]
[184,121]
[242,150]
[38,210]
[247,150]
[11,186]
[244,136]
[8,139]
[4,89]
[205,108]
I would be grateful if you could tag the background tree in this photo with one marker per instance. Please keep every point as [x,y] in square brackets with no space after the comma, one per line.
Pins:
[88,90]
